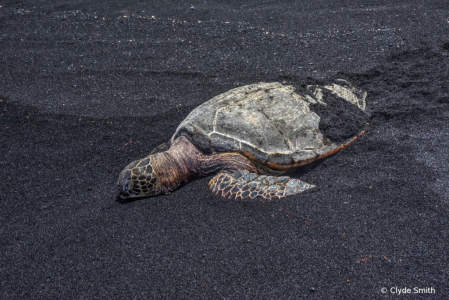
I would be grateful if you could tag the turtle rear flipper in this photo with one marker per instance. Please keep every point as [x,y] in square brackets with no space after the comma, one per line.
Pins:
[245,185]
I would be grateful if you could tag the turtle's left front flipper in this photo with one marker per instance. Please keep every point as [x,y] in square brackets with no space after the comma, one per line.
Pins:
[245,185]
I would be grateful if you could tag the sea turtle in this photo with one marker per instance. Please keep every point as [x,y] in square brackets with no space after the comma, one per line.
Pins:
[246,137]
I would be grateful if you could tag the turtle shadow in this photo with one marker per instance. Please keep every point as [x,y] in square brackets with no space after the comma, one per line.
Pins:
[119,200]
[301,171]
[130,200]
[123,201]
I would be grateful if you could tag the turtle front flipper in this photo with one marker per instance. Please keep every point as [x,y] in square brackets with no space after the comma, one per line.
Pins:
[244,185]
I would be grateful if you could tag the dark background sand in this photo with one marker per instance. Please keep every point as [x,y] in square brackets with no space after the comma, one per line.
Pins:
[84,90]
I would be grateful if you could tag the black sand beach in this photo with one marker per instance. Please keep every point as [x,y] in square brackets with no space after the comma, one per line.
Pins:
[86,88]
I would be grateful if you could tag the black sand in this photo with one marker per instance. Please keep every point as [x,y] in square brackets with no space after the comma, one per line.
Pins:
[85,88]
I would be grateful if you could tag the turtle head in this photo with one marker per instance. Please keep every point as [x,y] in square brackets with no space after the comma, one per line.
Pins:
[137,180]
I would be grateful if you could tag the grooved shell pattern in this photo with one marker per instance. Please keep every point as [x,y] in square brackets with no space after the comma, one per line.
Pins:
[267,121]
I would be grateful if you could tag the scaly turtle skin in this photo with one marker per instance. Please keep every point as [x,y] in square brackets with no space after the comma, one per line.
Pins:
[242,136]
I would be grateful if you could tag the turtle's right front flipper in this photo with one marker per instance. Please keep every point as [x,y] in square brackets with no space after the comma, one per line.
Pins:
[245,185]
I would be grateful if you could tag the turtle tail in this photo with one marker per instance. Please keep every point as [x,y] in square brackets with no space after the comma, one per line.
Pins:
[338,148]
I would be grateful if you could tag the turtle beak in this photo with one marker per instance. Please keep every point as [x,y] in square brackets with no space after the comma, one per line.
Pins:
[123,191]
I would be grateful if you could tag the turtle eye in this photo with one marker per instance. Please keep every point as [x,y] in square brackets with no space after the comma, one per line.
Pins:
[128,186]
